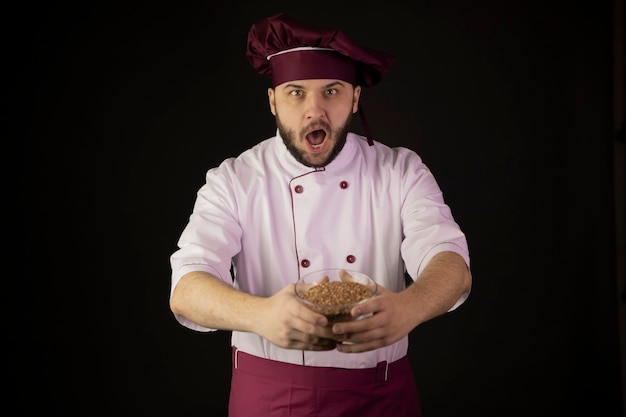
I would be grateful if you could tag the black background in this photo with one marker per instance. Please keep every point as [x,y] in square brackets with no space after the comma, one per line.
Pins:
[115,112]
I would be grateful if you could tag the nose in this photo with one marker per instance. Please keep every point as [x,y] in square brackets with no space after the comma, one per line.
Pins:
[314,107]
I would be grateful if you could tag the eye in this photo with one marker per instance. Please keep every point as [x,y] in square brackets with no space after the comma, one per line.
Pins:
[331,91]
[296,93]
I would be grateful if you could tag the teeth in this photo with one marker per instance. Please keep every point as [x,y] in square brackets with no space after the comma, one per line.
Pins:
[317,146]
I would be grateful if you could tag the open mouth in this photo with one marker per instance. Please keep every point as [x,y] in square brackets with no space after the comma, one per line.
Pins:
[316,139]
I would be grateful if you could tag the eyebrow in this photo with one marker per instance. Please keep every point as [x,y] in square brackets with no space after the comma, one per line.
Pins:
[329,85]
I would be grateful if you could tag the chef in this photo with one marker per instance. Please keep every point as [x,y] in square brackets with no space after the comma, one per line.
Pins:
[316,196]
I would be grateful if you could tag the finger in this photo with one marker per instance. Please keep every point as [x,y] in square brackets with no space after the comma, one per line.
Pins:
[345,276]
[311,321]
[324,279]
[365,325]
[360,342]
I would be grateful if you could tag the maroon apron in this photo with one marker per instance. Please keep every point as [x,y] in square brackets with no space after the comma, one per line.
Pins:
[267,388]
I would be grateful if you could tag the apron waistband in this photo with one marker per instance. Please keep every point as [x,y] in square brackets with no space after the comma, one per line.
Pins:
[313,375]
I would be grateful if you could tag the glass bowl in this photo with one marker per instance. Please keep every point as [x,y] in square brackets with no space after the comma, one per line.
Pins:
[334,292]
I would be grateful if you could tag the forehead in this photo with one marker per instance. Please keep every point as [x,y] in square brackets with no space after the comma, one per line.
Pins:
[313,84]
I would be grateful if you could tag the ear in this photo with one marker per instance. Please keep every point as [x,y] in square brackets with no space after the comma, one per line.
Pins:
[272,100]
[355,99]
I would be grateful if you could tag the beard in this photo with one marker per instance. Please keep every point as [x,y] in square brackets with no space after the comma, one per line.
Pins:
[289,139]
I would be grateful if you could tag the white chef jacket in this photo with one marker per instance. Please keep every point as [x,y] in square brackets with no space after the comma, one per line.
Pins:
[373,209]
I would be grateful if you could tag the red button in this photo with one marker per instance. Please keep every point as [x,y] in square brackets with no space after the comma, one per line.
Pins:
[343,184]
[350,259]
[298,189]
[305,263]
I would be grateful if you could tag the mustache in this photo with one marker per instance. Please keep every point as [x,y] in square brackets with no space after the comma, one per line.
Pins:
[316,125]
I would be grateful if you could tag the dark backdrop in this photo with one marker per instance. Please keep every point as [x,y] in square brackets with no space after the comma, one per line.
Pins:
[116,112]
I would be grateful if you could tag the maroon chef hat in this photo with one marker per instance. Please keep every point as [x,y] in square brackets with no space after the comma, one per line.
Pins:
[284,49]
